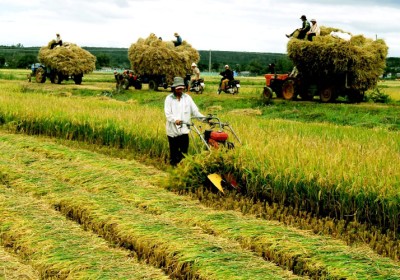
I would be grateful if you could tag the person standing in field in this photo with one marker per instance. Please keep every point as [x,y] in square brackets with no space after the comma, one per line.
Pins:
[303,30]
[179,108]
[314,30]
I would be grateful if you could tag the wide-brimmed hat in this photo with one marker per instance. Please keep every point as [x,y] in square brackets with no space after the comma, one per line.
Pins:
[227,66]
[313,20]
[303,17]
[176,34]
[194,64]
[178,83]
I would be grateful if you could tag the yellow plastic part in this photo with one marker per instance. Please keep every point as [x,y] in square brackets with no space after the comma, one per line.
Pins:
[216,180]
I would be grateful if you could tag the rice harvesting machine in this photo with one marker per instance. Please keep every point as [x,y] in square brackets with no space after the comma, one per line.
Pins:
[216,135]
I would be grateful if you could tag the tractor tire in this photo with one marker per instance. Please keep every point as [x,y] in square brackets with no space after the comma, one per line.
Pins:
[138,86]
[356,97]
[327,94]
[289,89]
[78,79]
[57,78]
[40,75]
[153,85]
[267,95]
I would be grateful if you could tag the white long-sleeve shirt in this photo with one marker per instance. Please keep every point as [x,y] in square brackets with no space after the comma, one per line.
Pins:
[182,110]
[315,29]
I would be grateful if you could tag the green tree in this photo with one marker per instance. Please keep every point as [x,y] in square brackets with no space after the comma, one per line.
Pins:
[25,61]
[102,60]
[2,61]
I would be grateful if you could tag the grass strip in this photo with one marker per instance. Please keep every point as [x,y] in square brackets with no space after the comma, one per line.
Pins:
[58,248]
[300,251]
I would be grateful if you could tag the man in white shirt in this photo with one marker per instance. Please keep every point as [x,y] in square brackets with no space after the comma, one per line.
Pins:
[179,108]
[314,30]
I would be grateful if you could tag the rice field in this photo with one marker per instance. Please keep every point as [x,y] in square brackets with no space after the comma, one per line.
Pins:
[318,199]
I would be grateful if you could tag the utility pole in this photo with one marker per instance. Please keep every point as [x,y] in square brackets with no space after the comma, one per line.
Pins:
[209,63]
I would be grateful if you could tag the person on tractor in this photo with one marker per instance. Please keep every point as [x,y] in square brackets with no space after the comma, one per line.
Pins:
[227,76]
[195,74]
[179,108]
[303,30]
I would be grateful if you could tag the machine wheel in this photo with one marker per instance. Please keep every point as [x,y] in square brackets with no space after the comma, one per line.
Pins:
[327,94]
[138,86]
[153,85]
[78,79]
[289,89]
[356,97]
[267,95]
[57,78]
[40,75]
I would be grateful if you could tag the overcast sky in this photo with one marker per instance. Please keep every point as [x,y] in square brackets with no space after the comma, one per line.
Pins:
[227,25]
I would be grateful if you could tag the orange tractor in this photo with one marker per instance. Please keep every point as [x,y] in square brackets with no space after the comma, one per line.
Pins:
[299,85]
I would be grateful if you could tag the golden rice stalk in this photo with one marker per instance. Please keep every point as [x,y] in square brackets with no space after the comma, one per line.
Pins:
[362,58]
[156,57]
[69,59]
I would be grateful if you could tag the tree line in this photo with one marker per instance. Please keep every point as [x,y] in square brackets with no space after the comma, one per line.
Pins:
[18,56]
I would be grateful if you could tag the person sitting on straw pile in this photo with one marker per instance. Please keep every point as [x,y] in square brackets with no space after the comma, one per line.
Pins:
[178,40]
[314,30]
[303,30]
[58,41]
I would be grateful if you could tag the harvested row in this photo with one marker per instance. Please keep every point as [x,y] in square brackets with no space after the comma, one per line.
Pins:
[13,268]
[57,248]
[88,187]
[182,251]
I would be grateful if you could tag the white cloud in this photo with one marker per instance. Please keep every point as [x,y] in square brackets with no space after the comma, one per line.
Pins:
[251,25]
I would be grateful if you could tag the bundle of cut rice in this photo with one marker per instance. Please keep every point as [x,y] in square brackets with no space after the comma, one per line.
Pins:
[156,57]
[363,59]
[69,59]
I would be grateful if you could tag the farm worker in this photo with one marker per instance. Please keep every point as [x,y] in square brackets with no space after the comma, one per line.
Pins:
[227,76]
[303,30]
[179,108]
[195,73]
[178,40]
[314,30]
[57,42]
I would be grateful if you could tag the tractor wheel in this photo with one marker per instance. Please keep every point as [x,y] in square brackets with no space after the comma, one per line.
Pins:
[153,85]
[327,94]
[289,89]
[40,75]
[267,95]
[78,79]
[356,97]
[57,78]
[138,86]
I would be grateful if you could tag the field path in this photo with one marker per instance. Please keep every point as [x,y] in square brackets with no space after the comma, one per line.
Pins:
[146,227]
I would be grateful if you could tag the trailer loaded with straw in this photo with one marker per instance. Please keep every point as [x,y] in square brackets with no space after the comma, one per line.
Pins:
[62,63]
[158,62]
[333,64]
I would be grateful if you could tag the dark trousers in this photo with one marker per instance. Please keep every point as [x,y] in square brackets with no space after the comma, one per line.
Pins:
[310,36]
[55,44]
[178,146]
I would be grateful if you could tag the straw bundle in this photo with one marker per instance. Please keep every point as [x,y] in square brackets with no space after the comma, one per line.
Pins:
[69,59]
[154,56]
[364,59]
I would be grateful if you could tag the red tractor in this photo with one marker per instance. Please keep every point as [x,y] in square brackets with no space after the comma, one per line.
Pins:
[296,84]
